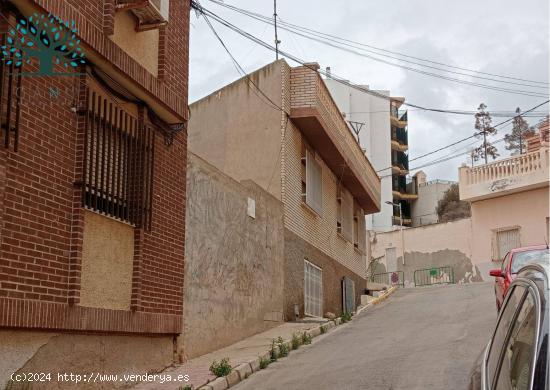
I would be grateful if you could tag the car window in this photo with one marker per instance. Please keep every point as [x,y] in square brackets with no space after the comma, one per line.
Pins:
[505,320]
[538,256]
[517,362]
[505,262]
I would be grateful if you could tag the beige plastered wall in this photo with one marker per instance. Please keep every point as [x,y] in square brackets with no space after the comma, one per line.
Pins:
[142,46]
[107,263]
[528,210]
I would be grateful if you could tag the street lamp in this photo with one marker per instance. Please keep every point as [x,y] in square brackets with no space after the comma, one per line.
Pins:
[400,212]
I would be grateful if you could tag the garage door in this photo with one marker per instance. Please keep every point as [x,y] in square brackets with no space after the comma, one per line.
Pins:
[313,290]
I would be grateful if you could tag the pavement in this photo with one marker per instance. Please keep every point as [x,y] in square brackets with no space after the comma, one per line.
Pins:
[421,338]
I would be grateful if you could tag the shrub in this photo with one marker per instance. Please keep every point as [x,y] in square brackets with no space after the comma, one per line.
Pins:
[223,368]
[273,352]
[323,329]
[296,342]
[264,362]
[306,338]
[283,347]
[345,317]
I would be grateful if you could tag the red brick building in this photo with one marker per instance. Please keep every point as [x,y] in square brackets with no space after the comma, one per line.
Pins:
[92,189]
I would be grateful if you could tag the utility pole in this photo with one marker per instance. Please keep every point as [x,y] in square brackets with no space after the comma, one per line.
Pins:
[276,36]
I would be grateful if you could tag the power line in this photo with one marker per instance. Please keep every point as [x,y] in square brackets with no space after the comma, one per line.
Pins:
[303,63]
[317,36]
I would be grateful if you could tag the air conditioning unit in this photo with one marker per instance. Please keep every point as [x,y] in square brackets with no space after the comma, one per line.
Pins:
[151,14]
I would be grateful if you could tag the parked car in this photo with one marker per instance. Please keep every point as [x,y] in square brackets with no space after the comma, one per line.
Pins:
[516,357]
[512,263]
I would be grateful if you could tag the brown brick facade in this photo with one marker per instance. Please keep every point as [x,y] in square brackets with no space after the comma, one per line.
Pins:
[41,207]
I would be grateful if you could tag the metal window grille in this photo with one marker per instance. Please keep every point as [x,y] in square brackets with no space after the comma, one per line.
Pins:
[314,183]
[506,240]
[313,290]
[118,159]
[10,101]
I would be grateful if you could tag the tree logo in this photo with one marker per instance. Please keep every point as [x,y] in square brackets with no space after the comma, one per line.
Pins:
[47,39]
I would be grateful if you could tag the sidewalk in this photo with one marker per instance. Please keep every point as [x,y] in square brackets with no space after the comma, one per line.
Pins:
[244,351]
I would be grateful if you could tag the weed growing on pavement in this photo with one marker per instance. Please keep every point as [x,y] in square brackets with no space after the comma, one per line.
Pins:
[323,329]
[273,353]
[296,342]
[345,317]
[186,387]
[264,362]
[306,338]
[283,347]
[223,368]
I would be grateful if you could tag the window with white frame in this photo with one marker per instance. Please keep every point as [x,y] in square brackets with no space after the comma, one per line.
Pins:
[504,241]
[312,180]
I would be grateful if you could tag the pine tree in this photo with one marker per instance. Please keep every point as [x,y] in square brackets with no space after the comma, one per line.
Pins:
[520,131]
[484,127]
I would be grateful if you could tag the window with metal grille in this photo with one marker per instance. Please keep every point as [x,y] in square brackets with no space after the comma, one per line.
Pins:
[313,290]
[506,239]
[118,161]
[10,100]
[347,214]
[312,183]
[359,230]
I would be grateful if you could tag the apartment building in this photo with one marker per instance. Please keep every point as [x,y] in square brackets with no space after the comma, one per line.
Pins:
[509,204]
[383,134]
[92,185]
[280,128]
[429,192]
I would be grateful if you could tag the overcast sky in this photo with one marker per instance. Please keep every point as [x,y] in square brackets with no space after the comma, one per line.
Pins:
[501,37]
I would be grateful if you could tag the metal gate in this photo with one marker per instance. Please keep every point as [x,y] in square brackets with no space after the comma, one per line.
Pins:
[435,275]
[348,295]
[313,290]
[396,278]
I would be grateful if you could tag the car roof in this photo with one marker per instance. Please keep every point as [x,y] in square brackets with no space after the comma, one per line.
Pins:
[528,248]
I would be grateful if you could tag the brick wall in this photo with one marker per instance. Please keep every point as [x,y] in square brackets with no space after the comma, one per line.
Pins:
[41,211]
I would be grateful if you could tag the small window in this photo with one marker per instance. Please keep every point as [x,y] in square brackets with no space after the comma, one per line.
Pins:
[312,183]
[505,240]
[519,352]
[503,325]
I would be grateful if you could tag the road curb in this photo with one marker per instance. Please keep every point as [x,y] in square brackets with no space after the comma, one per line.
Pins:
[244,370]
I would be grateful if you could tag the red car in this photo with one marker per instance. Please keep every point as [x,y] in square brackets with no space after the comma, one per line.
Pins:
[512,263]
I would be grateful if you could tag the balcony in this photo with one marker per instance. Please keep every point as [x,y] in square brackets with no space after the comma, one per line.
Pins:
[400,163]
[399,139]
[504,177]
[314,112]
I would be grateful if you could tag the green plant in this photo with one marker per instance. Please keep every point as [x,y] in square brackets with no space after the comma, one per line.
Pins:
[306,338]
[345,317]
[273,353]
[283,347]
[323,329]
[296,341]
[223,368]
[264,362]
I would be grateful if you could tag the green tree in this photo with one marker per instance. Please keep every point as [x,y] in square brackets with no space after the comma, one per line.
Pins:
[484,129]
[520,130]
[450,207]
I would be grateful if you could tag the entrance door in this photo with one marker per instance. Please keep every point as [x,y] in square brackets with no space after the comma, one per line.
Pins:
[313,290]
[391,260]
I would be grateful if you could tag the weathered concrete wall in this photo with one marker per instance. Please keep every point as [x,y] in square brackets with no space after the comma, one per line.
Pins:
[49,352]
[296,251]
[234,268]
[443,244]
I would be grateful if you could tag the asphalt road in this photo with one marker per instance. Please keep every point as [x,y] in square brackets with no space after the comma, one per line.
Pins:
[422,338]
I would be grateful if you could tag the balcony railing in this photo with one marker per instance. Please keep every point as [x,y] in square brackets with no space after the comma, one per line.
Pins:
[401,160]
[400,135]
[510,175]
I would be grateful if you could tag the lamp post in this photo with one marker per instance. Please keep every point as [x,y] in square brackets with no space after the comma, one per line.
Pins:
[400,211]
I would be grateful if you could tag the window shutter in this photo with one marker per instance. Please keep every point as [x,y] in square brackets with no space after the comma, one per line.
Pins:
[347,215]
[362,230]
[314,183]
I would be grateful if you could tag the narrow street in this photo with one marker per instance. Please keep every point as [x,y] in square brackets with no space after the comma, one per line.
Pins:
[423,338]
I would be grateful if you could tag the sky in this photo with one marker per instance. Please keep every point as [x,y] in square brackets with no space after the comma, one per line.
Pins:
[501,37]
